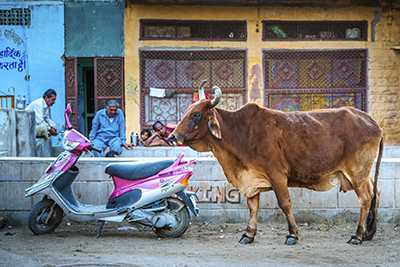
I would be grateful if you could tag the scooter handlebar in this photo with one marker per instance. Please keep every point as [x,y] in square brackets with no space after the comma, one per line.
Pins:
[95,149]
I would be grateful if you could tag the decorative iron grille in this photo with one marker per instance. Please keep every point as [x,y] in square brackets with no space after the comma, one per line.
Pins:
[71,87]
[109,81]
[181,72]
[193,30]
[15,16]
[315,30]
[306,80]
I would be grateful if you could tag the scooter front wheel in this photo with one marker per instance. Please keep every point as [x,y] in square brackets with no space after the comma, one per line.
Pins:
[45,217]
[177,208]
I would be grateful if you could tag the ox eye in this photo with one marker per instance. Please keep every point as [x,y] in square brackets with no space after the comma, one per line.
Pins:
[196,118]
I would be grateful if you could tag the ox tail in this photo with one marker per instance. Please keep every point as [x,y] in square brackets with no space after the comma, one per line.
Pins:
[373,210]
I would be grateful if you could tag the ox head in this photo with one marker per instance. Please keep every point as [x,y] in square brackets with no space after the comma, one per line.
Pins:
[199,120]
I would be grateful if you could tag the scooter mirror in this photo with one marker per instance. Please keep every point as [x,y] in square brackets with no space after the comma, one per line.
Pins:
[67,112]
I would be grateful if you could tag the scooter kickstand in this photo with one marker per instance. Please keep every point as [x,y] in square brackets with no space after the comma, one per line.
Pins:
[99,228]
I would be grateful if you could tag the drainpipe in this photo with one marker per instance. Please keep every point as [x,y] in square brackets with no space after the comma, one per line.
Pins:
[374,22]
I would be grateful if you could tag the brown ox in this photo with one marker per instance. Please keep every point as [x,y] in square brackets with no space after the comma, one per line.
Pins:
[261,149]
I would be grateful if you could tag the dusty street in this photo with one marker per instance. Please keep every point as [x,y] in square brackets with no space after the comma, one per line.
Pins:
[203,245]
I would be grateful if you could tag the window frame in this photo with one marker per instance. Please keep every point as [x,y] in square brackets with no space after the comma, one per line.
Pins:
[363,24]
[178,23]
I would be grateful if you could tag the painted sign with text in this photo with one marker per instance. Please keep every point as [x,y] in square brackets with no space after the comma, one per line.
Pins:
[12,52]
[12,59]
[215,193]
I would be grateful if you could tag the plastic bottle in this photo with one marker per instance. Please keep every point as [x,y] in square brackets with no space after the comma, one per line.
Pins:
[134,139]
[18,102]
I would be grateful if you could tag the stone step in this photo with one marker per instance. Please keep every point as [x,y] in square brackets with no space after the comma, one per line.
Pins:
[391,151]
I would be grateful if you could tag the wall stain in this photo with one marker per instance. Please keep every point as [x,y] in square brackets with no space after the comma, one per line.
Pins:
[132,90]
[13,37]
[255,83]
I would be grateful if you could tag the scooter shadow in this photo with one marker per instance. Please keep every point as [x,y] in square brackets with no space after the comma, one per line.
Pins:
[109,231]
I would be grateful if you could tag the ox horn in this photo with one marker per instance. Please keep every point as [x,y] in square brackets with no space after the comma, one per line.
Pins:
[217,96]
[202,94]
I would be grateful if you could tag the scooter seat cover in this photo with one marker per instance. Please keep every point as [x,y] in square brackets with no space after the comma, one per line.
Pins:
[137,171]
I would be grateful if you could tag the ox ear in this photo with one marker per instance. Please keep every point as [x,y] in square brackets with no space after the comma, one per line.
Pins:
[213,126]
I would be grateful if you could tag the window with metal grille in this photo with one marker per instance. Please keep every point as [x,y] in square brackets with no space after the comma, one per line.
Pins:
[193,30]
[306,80]
[15,16]
[180,73]
[315,30]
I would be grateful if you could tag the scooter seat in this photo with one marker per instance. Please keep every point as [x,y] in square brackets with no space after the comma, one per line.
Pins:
[137,171]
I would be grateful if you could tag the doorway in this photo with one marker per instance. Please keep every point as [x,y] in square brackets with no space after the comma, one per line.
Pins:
[89,83]
[86,108]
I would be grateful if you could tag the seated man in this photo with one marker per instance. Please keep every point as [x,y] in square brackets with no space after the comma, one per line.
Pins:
[159,138]
[45,127]
[108,130]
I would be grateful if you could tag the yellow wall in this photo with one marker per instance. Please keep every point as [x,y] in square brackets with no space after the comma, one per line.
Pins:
[379,51]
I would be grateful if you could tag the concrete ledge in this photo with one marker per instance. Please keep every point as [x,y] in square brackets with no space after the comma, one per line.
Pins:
[218,200]
[163,152]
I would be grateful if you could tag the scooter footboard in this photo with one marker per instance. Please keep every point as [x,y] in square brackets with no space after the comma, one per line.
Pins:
[63,185]
[127,199]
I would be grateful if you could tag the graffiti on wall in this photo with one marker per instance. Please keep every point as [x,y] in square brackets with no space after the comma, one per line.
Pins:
[211,193]
[12,36]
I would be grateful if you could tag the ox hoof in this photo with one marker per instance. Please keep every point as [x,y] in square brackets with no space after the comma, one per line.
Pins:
[245,239]
[354,240]
[291,240]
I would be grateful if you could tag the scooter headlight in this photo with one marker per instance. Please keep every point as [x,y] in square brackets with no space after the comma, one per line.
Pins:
[70,145]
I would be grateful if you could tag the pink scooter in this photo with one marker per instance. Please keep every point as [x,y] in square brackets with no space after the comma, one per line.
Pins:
[149,193]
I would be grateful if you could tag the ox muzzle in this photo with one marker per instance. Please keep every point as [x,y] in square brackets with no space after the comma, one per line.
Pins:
[175,139]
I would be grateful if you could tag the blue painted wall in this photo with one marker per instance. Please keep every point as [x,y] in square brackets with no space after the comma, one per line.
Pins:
[42,44]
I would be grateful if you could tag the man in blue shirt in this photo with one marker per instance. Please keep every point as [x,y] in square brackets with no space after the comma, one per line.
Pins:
[108,130]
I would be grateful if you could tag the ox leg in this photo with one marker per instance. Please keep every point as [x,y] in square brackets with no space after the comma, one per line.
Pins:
[282,194]
[251,230]
[364,193]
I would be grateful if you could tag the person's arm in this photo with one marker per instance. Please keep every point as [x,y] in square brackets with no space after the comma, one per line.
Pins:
[121,125]
[95,126]
[46,118]
[157,141]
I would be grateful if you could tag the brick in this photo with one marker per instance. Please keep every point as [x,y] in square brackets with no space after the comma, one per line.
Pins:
[12,196]
[32,171]
[386,187]
[389,169]
[10,171]
[305,198]
[208,170]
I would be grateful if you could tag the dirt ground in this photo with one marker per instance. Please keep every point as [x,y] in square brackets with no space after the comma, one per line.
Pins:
[202,245]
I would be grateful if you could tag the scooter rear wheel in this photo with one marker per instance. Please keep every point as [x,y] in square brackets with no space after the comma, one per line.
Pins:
[178,208]
[39,221]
